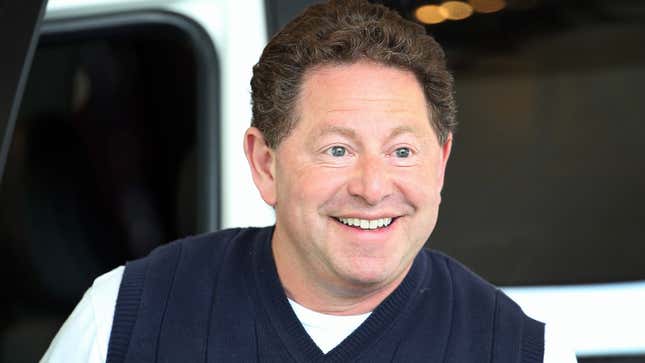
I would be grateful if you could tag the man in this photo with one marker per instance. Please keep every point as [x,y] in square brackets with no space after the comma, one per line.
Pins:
[353,117]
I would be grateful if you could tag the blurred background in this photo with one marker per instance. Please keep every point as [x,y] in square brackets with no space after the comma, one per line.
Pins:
[544,187]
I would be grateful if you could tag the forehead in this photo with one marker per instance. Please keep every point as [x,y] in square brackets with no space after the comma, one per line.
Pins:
[362,92]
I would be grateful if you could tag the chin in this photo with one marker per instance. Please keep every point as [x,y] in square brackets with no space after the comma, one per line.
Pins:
[370,274]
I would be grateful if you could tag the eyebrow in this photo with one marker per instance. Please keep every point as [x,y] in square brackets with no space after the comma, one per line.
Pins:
[350,133]
[345,131]
[401,130]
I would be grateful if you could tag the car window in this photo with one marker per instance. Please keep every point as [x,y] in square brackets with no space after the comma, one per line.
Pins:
[107,162]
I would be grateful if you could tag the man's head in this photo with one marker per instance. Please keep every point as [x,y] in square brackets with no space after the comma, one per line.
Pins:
[348,149]
[344,32]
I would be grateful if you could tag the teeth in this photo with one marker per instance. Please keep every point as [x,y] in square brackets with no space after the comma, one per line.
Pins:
[366,223]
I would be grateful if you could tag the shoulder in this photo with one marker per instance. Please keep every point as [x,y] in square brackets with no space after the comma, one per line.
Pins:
[461,277]
[481,306]
[473,293]
[466,281]
[471,297]
[188,258]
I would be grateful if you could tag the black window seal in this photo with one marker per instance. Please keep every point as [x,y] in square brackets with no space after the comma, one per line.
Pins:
[19,27]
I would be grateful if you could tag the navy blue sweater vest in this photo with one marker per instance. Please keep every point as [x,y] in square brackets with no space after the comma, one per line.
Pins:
[218,298]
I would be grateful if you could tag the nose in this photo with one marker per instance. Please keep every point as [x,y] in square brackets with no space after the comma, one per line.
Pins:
[371,180]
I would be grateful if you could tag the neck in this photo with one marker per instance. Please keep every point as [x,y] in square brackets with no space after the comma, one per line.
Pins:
[336,297]
[338,305]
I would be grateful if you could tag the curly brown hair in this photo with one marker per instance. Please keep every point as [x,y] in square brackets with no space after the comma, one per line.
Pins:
[344,32]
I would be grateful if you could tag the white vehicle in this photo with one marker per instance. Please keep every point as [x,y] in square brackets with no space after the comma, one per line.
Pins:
[129,135]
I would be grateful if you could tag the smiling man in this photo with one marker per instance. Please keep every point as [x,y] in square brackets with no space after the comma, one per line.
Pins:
[353,120]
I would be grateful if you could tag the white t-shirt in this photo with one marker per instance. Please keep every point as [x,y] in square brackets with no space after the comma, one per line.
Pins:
[84,336]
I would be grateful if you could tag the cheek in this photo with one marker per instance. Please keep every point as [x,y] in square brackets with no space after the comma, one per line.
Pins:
[310,187]
[319,180]
[420,186]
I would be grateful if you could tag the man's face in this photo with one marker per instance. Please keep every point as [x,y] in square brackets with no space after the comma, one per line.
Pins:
[357,182]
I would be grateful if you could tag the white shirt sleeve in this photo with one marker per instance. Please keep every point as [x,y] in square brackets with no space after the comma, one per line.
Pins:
[84,336]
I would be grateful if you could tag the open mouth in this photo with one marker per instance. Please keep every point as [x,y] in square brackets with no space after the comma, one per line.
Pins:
[366,224]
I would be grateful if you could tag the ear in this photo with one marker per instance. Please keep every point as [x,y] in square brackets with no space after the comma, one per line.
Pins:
[446,148]
[261,160]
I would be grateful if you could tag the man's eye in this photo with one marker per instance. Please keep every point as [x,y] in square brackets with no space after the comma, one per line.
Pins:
[337,151]
[402,152]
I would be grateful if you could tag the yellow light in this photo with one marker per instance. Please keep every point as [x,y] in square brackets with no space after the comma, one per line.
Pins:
[429,14]
[455,10]
[487,6]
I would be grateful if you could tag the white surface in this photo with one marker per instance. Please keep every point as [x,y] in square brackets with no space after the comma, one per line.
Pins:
[598,319]
[245,38]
